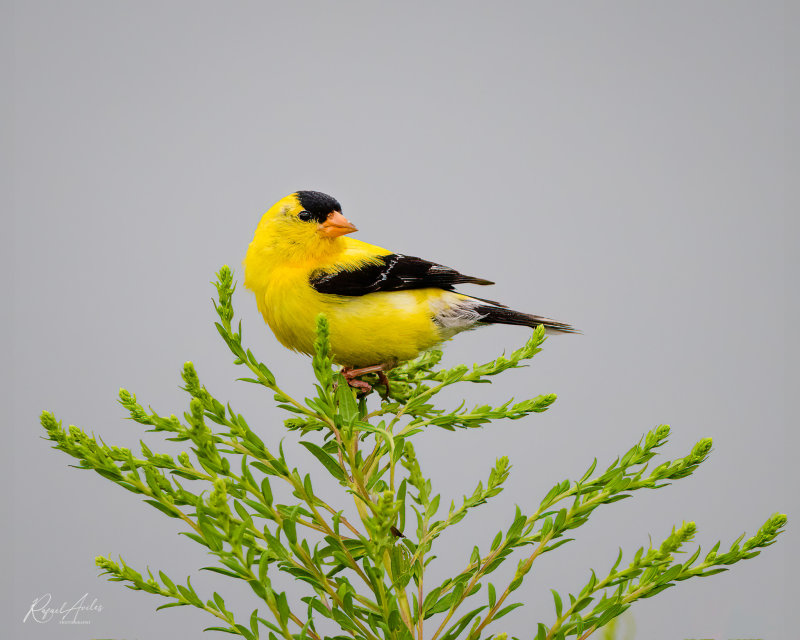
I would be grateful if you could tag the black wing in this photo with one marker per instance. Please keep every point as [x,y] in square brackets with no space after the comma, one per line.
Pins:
[395,273]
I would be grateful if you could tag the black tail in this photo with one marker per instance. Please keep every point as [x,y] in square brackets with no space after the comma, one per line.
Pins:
[502,315]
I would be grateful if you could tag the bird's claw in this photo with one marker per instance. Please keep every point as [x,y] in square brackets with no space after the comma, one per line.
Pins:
[351,375]
[360,385]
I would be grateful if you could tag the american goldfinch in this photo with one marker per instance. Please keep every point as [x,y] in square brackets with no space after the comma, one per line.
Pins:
[382,307]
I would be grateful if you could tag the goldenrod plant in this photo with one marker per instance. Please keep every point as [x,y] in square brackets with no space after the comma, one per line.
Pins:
[366,574]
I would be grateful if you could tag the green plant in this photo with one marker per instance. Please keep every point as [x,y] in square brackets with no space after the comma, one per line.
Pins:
[366,577]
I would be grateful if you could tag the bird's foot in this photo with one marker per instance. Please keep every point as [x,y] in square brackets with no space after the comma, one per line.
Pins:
[361,386]
[351,376]
[384,381]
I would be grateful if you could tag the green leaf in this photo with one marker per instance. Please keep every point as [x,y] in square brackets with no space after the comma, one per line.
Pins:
[327,461]
[162,508]
[516,527]
[243,513]
[167,582]
[254,623]
[290,529]
[557,601]
[712,572]
[346,401]
[224,572]
[541,633]
[381,431]
[443,605]
[433,507]
[432,597]
[658,589]
[508,609]
[670,574]
[219,602]
[497,540]
[211,536]
[582,604]
[263,565]
[475,557]
[244,632]
[266,491]
[455,630]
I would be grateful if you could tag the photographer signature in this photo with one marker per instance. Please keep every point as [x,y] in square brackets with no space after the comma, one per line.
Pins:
[42,612]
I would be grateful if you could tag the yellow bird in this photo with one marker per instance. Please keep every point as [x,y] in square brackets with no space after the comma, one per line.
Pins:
[382,307]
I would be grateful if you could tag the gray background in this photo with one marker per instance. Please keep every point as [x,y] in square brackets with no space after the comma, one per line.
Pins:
[621,166]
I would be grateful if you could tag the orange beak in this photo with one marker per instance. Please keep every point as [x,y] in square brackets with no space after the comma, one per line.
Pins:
[336,225]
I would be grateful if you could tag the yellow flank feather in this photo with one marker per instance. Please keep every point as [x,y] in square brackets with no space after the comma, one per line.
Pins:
[382,307]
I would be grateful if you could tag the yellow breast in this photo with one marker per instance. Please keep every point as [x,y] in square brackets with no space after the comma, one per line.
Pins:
[371,329]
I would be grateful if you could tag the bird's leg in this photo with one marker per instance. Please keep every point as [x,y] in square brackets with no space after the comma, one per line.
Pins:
[360,385]
[351,374]
[354,373]
[384,381]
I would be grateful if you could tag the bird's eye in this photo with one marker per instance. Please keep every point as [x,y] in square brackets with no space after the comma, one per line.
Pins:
[305,216]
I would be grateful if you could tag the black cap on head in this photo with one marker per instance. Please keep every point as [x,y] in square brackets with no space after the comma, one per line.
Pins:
[319,205]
